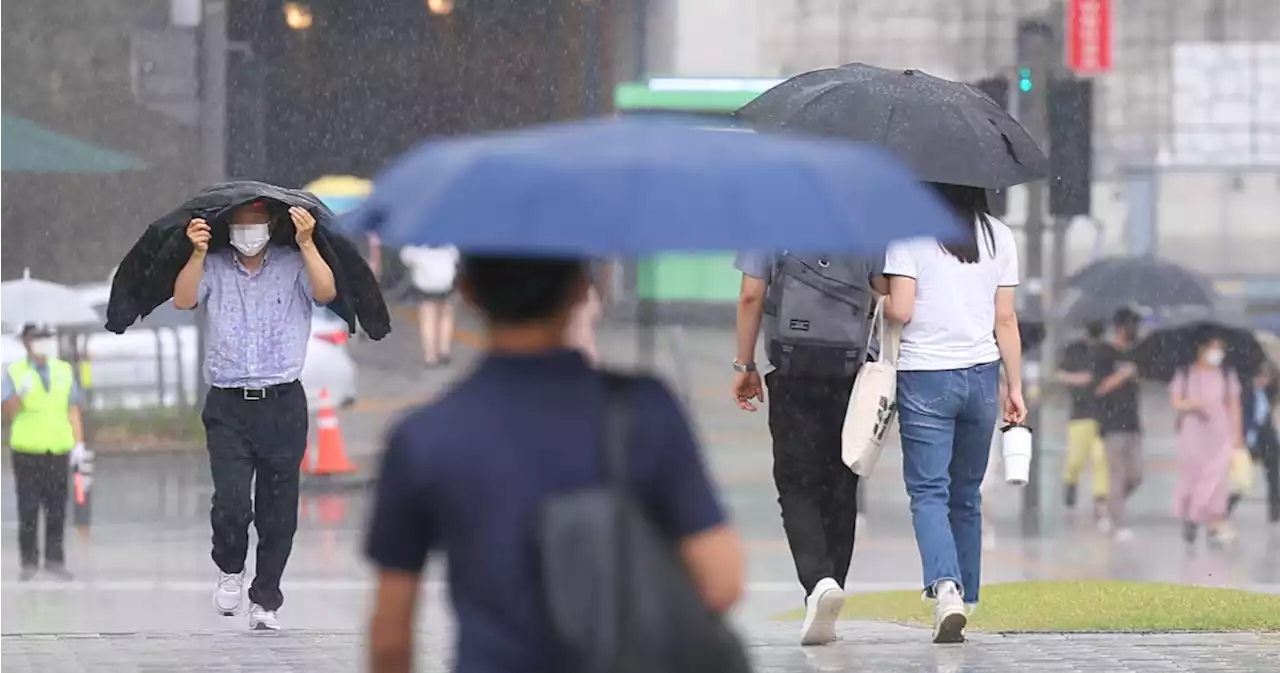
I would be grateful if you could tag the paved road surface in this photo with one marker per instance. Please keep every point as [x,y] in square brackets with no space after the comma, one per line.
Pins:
[142,599]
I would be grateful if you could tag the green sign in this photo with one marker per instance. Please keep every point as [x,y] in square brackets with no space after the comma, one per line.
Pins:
[698,278]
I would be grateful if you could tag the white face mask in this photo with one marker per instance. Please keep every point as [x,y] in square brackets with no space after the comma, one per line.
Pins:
[1214,356]
[249,239]
[43,347]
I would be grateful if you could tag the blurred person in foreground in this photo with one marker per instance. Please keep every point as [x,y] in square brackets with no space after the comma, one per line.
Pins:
[1084,443]
[467,475]
[42,405]
[1258,407]
[258,300]
[956,303]
[433,273]
[1206,397]
[814,312]
[1119,418]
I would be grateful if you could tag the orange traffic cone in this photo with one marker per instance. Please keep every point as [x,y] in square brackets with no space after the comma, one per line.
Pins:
[329,456]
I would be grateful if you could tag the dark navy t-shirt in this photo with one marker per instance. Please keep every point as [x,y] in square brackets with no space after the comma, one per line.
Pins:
[467,474]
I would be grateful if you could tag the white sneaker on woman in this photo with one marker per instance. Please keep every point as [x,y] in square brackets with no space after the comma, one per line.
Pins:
[949,618]
[821,611]
[229,595]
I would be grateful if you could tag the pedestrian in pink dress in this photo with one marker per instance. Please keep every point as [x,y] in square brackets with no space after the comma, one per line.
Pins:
[1207,399]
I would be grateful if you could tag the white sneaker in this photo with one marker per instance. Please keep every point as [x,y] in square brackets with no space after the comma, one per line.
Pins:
[1104,525]
[949,618]
[1124,535]
[229,595]
[822,608]
[262,619]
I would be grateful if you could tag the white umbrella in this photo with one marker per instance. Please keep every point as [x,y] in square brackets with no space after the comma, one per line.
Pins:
[38,301]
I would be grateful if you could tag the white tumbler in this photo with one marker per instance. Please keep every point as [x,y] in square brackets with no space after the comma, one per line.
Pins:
[1015,448]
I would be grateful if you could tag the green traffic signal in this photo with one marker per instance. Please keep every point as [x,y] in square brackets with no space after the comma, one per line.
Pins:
[1024,79]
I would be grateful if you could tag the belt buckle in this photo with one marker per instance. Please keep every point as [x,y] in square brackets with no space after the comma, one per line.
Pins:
[255,394]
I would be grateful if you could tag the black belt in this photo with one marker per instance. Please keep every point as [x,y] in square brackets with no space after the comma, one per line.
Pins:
[256,394]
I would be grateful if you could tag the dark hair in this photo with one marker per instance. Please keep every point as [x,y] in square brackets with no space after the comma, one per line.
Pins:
[970,207]
[519,290]
[1095,328]
[1126,317]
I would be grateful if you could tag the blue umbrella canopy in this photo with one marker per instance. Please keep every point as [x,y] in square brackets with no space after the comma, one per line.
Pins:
[610,187]
[31,148]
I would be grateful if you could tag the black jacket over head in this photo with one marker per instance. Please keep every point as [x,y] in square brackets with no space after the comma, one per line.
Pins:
[146,276]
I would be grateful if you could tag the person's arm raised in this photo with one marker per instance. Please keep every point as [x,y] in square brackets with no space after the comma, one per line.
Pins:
[324,288]
[186,288]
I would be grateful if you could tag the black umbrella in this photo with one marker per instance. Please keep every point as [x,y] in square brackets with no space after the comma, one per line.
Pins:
[1098,290]
[1166,350]
[945,131]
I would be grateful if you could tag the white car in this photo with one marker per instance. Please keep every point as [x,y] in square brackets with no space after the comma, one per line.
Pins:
[155,363]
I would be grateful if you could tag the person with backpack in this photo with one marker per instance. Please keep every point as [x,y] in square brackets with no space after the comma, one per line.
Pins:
[1206,397]
[474,473]
[956,304]
[814,311]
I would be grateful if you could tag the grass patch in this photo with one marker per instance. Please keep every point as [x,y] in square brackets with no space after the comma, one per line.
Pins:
[144,428]
[1099,606]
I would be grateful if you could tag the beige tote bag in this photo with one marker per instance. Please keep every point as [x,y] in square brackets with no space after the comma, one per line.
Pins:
[873,406]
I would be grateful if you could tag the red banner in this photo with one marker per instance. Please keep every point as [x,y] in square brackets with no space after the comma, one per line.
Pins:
[1089,36]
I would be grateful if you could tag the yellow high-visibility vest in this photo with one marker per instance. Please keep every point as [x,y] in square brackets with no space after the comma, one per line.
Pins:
[43,424]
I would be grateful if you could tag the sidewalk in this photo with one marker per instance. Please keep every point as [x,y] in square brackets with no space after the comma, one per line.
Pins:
[869,647]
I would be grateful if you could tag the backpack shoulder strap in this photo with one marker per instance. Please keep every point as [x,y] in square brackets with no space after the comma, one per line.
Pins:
[617,427]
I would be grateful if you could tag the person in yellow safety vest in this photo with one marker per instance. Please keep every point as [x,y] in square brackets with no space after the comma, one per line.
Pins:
[41,404]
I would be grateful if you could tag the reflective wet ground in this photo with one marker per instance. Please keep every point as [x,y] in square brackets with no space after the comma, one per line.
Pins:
[141,600]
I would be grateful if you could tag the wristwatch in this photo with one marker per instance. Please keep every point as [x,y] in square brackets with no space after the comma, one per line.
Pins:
[743,368]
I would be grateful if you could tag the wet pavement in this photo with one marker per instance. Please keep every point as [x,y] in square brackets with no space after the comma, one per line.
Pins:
[141,598]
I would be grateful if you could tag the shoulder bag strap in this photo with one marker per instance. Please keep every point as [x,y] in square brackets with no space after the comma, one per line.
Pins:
[616,436]
[890,335]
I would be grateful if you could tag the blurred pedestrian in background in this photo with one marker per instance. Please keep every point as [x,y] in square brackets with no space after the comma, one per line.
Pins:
[258,300]
[1084,442]
[524,427]
[1258,407]
[432,273]
[42,405]
[1119,419]
[810,368]
[586,316]
[956,302]
[1206,397]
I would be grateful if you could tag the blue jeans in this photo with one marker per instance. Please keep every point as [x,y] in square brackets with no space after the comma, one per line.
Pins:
[947,419]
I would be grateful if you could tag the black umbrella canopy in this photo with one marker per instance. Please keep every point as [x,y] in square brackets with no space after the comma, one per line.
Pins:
[1167,349]
[1097,291]
[946,131]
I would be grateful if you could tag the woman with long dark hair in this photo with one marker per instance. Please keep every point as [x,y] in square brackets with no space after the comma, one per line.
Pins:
[956,303]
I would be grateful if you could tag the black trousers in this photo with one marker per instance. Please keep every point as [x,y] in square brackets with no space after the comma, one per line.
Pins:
[817,492]
[41,482]
[1268,451]
[255,453]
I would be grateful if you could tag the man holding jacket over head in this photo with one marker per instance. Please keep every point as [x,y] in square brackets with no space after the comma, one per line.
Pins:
[41,404]
[258,299]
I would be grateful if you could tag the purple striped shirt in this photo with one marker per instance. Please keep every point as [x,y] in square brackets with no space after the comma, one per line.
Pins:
[258,323]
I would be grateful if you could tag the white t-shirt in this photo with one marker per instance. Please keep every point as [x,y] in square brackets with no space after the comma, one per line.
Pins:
[953,324]
[431,269]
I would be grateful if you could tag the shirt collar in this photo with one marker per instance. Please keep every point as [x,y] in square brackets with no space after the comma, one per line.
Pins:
[266,259]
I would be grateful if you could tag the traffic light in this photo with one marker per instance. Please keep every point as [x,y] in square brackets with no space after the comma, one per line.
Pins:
[1024,80]
[1070,145]
[997,89]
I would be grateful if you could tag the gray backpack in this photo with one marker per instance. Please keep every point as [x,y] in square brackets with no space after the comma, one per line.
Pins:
[816,314]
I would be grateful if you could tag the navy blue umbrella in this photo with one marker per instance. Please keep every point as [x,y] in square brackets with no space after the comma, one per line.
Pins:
[616,187]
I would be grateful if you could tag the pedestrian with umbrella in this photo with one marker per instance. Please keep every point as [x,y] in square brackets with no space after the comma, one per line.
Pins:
[960,142]
[1206,396]
[493,471]
[1166,355]
[1118,409]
